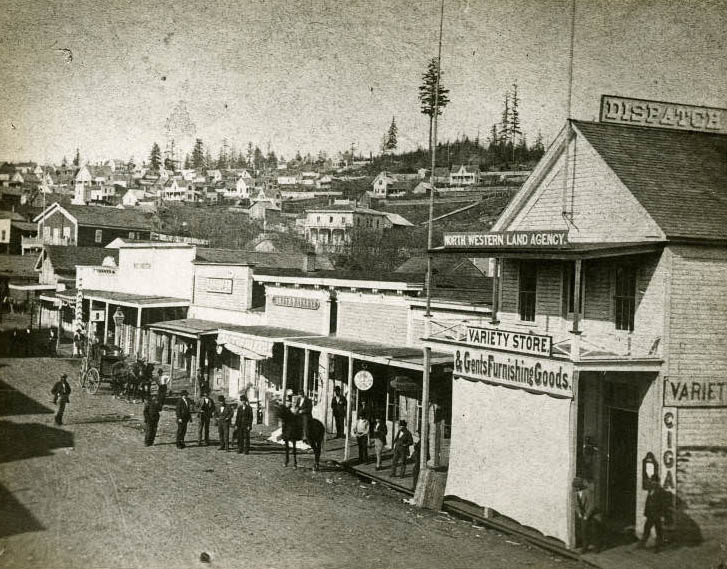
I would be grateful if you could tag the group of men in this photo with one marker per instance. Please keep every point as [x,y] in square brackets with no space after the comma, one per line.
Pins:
[224,414]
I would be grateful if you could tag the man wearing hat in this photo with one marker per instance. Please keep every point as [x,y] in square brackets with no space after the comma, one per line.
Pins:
[243,422]
[61,396]
[587,515]
[223,412]
[402,441]
[206,411]
[184,416]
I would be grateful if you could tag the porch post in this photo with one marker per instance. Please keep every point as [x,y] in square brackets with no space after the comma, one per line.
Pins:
[424,435]
[306,370]
[496,292]
[348,407]
[106,324]
[196,365]
[285,372]
[171,368]
[138,333]
[60,321]
[572,455]
[577,297]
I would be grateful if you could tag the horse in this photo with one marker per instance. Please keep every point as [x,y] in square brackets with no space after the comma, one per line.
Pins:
[293,432]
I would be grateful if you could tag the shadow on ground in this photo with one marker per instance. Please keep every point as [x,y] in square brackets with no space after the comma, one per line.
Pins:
[20,441]
[14,402]
[14,517]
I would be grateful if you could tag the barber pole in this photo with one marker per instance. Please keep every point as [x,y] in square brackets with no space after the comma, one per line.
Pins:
[78,318]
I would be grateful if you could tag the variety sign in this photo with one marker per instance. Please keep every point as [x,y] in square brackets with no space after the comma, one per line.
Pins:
[524,372]
[701,392]
[624,110]
[512,341]
[297,302]
[546,239]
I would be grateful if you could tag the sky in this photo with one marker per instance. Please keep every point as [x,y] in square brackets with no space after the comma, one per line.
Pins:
[323,75]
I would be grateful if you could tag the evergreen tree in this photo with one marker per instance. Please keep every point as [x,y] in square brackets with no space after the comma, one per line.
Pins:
[208,162]
[64,162]
[390,140]
[187,162]
[538,148]
[258,159]
[155,158]
[77,159]
[428,95]
[250,155]
[222,159]
[504,135]
[272,160]
[198,155]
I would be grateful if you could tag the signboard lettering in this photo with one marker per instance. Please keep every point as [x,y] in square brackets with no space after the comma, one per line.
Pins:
[546,239]
[669,446]
[219,285]
[297,302]
[513,341]
[624,110]
[533,374]
[698,392]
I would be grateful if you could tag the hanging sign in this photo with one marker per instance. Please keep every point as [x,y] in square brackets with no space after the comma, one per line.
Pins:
[669,448]
[539,375]
[546,239]
[363,380]
[624,110]
[518,342]
[98,315]
[695,392]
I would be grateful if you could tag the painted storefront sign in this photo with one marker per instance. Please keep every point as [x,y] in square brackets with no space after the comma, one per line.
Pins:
[539,375]
[697,392]
[624,110]
[297,302]
[518,342]
[669,448]
[219,285]
[546,239]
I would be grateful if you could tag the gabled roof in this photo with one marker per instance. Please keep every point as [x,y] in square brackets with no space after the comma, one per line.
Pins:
[17,266]
[65,259]
[398,220]
[679,177]
[100,216]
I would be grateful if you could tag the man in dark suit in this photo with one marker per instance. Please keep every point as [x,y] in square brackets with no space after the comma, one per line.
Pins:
[402,441]
[206,411]
[184,416]
[61,396]
[655,510]
[243,422]
[304,409]
[338,407]
[588,517]
[151,420]
[224,413]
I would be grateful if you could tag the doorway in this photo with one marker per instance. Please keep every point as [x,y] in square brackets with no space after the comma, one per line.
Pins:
[623,428]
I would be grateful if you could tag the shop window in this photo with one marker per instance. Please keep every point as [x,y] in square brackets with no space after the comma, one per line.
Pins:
[527,286]
[625,297]
[2,238]
[569,289]
[66,232]
[98,236]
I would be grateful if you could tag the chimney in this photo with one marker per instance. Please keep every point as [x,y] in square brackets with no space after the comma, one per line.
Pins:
[309,264]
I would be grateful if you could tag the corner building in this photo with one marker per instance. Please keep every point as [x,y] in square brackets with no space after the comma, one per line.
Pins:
[612,258]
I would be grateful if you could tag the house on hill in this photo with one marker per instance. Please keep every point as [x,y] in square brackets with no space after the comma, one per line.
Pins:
[332,227]
[464,175]
[386,184]
[91,226]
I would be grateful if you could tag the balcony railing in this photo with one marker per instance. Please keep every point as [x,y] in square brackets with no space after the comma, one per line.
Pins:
[34,242]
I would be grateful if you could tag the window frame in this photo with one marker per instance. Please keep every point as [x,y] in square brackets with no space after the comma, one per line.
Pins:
[98,236]
[624,321]
[520,292]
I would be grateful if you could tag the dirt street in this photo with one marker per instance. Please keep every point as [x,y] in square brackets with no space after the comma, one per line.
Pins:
[90,494]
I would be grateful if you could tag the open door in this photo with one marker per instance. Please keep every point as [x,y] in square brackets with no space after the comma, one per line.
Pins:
[622,465]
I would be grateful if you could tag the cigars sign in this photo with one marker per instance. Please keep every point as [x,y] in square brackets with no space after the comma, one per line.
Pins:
[624,110]
[546,239]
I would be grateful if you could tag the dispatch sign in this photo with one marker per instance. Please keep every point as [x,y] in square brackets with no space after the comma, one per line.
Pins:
[624,110]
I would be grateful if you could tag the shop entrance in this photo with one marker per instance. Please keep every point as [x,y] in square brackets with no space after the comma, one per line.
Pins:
[623,428]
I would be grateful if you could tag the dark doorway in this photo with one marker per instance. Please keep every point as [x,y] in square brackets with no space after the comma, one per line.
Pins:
[333,326]
[622,458]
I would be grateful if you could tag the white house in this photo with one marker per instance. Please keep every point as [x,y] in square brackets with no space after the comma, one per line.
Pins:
[464,175]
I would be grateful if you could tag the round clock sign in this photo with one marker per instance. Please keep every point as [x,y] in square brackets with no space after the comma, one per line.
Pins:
[363,380]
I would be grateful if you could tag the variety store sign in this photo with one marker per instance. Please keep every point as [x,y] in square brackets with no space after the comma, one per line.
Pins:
[539,375]
[519,342]
[508,239]
[624,110]
[695,392]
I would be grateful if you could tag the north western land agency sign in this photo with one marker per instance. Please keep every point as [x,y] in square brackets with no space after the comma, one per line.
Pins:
[538,375]
[624,110]
[546,239]
[518,342]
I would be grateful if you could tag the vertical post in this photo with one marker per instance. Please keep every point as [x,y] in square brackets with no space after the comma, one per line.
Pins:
[306,370]
[138,333]
[572,455]
[496,292]
[60,321]
[106,325]
[424,440]
[577,297]
[196,365]
[171,368]
[349,399]
[285,372]
[323,373]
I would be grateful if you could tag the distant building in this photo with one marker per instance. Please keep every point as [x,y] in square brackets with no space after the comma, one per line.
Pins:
[332,227]
[464,175]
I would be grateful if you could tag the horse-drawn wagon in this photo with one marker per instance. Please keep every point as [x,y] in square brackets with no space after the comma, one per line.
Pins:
[106,363]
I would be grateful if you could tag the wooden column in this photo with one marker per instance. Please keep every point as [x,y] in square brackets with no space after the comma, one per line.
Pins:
[572,457]
[106,325]
[285,372]
[577,297]
[424,435]
[349,399]
[137,349]
[173,355]
[196,365]
[306,370]
[496,292]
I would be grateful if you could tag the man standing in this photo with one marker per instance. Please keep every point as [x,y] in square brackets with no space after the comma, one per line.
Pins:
[184,416]
[61,396]
[206,410]
[402,441]
[338,407]
[243,422]
[361,432]
[305,410]
[151,420]
[587,514]
[224,417]
[162,383]
[655,510]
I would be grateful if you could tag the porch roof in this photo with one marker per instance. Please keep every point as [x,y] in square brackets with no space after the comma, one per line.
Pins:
[125,298]
[386,354]
[188,327]
[571,252]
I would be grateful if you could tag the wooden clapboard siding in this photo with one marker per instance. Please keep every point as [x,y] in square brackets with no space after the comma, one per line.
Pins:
[238,299]
[373,318]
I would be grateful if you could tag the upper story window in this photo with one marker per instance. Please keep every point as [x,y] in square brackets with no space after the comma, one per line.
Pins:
[624,299]
[131,235]
[330,219]
[527,287]
[67,232]
[98,236]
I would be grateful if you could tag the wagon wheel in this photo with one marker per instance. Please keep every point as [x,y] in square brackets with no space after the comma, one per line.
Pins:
[92,380]
[82,373]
